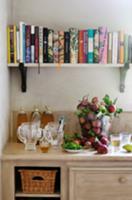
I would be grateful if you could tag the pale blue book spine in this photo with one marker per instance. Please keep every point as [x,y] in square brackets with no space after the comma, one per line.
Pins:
[90,45]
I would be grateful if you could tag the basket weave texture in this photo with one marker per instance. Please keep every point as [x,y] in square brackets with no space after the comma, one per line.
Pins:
[38,181]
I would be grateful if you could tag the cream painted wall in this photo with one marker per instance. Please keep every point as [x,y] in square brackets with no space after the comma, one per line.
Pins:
[5,16]
[62,89]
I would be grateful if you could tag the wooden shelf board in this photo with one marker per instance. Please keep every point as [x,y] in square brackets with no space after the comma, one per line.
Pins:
[68,65]
[20,194]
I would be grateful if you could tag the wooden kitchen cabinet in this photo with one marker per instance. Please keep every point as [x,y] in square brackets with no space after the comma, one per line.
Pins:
[83,176]
[100,184]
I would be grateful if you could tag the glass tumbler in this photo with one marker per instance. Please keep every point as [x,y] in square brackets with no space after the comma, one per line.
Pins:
[115,140]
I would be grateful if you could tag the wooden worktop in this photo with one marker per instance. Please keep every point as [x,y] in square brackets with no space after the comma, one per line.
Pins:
[15,151]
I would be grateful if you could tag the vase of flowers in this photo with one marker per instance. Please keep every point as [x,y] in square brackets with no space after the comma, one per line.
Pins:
[95,120]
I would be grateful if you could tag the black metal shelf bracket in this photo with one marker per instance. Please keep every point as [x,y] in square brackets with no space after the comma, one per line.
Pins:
[123,73]
[23,72]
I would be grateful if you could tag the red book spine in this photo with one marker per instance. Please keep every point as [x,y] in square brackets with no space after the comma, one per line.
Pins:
[36,44]
[81,46]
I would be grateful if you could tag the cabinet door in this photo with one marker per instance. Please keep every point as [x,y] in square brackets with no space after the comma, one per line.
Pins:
[100,184]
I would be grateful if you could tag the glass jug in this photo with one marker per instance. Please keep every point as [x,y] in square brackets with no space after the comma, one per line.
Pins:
[53,132]
[29,133]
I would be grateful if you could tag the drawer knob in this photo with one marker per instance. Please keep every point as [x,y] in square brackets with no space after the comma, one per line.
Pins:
[122,179]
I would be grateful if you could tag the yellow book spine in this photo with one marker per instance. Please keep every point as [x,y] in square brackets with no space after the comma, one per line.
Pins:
[15,47]
[121,47]
[8,45]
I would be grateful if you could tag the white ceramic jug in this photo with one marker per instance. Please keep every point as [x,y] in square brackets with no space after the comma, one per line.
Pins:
[29,133]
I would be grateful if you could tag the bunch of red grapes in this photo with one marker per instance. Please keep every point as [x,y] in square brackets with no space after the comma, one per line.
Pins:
[90,115]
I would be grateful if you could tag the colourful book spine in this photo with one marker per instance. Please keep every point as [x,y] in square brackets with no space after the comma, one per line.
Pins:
[109,47]
[45,45]
[66,47]
[56,47]
[8,45]
[73,45]
[85,46]
[80,46]
[103,45]
[32,44]
[115,48]
[50,46]
[126,49]
[15,44]
[90,45]
[121,47]
[28,43]
[40,44]
[36,44]
[61,46]
[129,48]
[12,43]
[96,46]
[18,44]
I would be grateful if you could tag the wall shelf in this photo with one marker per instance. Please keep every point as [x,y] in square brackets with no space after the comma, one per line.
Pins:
[67,65]
[123,69]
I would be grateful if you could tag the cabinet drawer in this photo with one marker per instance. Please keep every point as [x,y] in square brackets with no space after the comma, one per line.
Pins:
[100,184]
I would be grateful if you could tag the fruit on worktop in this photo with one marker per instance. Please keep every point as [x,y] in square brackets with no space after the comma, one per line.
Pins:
[94,118]
[104,140]
[72,146]
[102,149]
[128,147]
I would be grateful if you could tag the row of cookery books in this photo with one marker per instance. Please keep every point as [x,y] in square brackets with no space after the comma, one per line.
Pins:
[36,44]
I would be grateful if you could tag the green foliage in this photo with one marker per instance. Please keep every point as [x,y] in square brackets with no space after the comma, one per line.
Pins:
[71,145]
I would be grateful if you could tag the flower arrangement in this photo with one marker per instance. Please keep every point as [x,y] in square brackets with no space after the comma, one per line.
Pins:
[91,116]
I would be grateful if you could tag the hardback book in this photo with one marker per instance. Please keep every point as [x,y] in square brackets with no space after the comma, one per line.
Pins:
[41,44]
[45,45]
[36,44]
[61,46]
[110,47]
[126,48]
[32,43]
[81,46]
[96,46]
[56,47]
[90,45]
[22,42]
[11,43]
[28,44]
[50,46]
[130,48]
[121,47]
[15,43]
[66,47]
[103,36]
[115,48]
[73,45]
[85,46]
[8,45]
[18,44]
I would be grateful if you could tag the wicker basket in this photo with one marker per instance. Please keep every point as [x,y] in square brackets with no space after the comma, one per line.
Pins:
[38,181]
